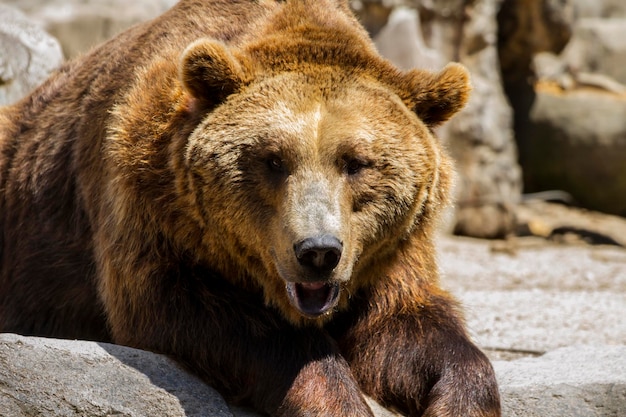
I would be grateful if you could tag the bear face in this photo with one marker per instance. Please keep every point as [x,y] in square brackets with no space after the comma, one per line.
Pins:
[335,186]
[303,159]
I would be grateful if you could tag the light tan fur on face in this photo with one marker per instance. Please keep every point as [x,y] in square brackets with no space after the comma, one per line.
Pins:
[311,128]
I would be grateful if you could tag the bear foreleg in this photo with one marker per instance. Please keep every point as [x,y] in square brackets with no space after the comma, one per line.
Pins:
[420,361]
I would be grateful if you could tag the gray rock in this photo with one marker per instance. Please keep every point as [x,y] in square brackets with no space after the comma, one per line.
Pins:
[578,381]
[576,141]
[401,41]
[599,46]
[537,321]
[599,8]
[534,264]
[27,55]
[43,377]
[82,24]
[481,136]
[532,296]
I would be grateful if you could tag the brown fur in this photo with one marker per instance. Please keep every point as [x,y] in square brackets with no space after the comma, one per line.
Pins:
[153,193]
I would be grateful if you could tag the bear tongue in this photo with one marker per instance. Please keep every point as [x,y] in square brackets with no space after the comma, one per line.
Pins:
[312,286]
[313,298]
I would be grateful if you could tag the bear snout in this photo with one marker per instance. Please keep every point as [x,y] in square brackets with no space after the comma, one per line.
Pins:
[320,254]
[312,284]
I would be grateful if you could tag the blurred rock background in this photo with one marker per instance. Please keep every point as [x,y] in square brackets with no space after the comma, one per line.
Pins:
[548,111]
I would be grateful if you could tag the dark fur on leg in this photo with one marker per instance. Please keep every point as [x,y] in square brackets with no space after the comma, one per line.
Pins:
[421,363]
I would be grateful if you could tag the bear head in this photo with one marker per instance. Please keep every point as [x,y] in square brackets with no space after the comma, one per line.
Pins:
[313,159]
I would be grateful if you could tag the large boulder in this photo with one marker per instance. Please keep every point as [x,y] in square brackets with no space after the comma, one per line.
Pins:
[598,45]
[27,54]
[43,377]
[581,381]
[577,142]
[599,8]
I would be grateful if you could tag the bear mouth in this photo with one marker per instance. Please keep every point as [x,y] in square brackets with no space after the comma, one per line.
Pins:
[313,298]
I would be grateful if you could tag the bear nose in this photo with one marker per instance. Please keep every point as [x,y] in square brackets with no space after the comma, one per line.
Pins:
[321,253]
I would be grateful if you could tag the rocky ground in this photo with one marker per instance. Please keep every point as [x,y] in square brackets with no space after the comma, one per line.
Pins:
[529,295]
[548,309]
[541,297]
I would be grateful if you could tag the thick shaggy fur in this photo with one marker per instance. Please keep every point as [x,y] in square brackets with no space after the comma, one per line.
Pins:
[165,190]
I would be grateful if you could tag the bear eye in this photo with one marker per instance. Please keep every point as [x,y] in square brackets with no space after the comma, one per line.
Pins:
[353,166]
[275,164]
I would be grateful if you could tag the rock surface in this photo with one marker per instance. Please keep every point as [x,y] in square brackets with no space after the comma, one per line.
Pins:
[81,24]
[579,381]
[27,55]
[42,377]
[577,142]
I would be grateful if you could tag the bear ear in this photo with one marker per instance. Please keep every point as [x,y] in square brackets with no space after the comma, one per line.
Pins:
[210,72]
[436,97]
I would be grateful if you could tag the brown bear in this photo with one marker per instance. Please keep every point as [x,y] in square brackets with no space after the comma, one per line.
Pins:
[248,187]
